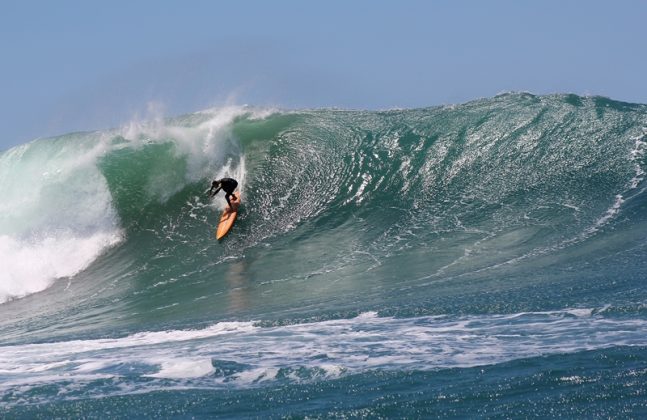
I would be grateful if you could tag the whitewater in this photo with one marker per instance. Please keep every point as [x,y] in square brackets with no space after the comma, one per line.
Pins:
[481,259]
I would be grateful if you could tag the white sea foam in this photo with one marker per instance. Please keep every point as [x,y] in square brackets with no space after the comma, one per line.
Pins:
[56,215]
[174,369]
[30,266]
[319,350]
[257,375]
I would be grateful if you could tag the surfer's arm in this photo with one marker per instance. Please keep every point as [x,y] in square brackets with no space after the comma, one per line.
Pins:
[211,194]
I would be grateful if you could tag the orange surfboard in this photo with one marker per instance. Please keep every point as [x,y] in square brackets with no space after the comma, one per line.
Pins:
[228,217]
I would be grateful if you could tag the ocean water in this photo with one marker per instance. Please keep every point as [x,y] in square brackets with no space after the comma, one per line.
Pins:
[486,260]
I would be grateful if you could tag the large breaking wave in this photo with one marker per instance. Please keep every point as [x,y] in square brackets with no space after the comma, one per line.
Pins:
[420,243]
[357,200]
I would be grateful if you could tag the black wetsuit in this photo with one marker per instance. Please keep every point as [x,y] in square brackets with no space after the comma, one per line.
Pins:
[228,185]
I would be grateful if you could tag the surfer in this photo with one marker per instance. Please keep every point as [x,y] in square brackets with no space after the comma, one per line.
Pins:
[228,185]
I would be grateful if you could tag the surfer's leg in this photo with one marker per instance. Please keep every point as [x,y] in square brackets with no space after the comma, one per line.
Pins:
[229,202]
[230,193]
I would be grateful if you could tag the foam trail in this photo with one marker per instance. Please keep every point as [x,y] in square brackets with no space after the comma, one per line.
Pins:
[316,350]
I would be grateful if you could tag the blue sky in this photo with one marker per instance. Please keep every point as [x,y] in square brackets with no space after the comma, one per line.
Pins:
[83,65]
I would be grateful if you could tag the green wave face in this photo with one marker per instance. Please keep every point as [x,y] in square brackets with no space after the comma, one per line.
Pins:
[415,211]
